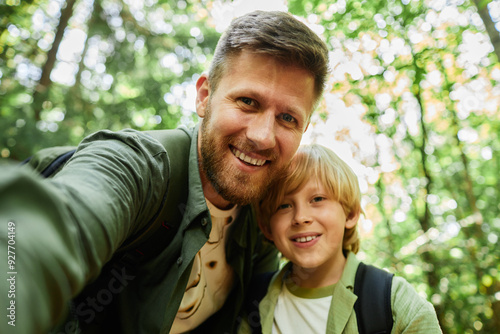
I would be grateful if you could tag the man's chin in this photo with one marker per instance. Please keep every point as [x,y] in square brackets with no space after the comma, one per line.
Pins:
[242,195]
[240,199]
[238,187]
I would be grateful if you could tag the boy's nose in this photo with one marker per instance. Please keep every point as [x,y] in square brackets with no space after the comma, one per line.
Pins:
[260,130]
[301,217]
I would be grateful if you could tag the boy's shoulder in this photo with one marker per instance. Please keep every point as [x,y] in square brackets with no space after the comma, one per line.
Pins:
[411,310]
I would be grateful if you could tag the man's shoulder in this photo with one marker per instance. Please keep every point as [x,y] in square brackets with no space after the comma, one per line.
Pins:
[151,142]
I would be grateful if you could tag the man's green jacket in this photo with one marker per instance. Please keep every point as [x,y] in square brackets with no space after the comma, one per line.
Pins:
[67,227]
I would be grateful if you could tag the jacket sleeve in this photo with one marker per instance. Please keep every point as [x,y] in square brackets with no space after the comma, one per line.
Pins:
[63,230]
[411,312]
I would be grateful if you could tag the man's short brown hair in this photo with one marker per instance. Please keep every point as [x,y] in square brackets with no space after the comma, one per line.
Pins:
[277,34]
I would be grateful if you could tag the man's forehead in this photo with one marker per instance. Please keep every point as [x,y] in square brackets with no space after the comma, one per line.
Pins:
[236,58]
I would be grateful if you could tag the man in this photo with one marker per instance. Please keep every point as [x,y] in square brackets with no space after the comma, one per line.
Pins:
[266,78]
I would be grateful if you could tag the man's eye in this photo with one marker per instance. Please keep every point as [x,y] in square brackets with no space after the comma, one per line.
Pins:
[318,199]
[288,118]
[247,100]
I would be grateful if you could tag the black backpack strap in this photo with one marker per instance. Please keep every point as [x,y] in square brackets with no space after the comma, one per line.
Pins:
[48,161]
[57,163]
[373,306]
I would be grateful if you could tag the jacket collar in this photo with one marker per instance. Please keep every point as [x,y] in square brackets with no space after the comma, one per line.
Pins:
[268,303]
[343,298]
[196,204]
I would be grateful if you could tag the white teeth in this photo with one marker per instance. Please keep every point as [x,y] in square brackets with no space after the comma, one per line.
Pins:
[240,155]
[306,239]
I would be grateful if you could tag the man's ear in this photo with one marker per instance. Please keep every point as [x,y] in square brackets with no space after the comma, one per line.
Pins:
[202,94]
[307,126]
[352,220]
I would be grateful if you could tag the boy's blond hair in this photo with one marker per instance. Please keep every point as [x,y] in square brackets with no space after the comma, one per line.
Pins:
[316,161]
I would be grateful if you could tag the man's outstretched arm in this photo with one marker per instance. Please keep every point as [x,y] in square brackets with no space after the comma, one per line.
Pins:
[58,233]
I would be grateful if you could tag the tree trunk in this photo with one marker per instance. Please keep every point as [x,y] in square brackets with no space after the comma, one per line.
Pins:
[425,218]
[380,205]
[43,85]
[482,9]
[475,231]
[496,312]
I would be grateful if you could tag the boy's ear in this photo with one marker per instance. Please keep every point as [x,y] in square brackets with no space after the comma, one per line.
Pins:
[265,230]
[352,220]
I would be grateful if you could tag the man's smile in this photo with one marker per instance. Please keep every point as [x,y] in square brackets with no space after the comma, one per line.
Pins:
[245,158]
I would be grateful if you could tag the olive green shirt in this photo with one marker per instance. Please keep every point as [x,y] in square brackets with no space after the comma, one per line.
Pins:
[69,226]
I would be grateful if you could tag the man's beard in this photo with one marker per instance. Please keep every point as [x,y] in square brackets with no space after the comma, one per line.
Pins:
[230,183]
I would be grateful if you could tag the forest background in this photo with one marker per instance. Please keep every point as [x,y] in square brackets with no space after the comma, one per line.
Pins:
[412,105]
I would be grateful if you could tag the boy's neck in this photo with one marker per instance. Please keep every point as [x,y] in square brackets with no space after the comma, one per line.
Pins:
[317,277]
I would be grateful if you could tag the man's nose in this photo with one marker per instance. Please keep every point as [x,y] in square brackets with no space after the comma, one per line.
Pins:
[261,130]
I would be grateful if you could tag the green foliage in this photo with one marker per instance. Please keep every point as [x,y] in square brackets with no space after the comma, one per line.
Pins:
[405,67]
[435,212]
[130,62]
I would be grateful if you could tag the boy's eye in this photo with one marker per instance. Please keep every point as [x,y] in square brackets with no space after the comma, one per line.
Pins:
[283,206]
[318,199]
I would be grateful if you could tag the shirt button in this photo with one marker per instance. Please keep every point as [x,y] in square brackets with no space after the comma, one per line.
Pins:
[204,221]
[179,260]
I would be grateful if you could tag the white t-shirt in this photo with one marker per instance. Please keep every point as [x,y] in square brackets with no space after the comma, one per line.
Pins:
[211,277]
[302,310]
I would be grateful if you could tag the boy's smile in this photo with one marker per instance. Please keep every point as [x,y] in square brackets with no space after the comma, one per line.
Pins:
[304,240]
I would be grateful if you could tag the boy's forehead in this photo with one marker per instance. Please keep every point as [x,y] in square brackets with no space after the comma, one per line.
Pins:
[305,183]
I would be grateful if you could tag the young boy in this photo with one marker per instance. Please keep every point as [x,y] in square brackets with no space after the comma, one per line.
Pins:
[311,216]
